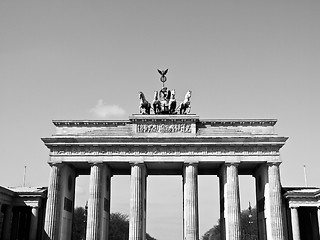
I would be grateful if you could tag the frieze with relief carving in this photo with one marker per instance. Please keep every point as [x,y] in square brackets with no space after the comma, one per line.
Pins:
[169,150]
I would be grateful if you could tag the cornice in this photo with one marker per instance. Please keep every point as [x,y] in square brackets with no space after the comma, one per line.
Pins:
[239,122]
[183,140]
[89,123]
[303,194]
[165,118]
[138,118]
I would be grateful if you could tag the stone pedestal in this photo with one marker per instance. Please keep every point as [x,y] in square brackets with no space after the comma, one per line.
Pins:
[275,203]
[295,223]
[231,201]
[190,202]
[51,223]
[137,222]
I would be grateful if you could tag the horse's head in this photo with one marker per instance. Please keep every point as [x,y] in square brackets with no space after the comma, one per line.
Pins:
[155,95]
[173,94]
[141,95]
[188,95]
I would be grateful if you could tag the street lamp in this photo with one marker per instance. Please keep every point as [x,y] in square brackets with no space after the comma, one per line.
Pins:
[85,218]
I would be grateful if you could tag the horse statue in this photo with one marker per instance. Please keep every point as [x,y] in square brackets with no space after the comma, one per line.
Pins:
[172,102]
[144,104]
[156,104]
[185,106]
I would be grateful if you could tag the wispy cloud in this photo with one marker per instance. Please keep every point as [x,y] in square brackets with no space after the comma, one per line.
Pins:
[102,110]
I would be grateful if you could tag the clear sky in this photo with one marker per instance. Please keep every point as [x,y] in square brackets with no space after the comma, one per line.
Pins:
[88,60]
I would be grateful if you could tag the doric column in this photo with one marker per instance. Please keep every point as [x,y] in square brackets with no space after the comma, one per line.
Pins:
[33,223]
[275,202]
[137,221]
[94,203]
[6,234]
[231,201]
[190,202]
[51,223]
[319,219]
[295,223]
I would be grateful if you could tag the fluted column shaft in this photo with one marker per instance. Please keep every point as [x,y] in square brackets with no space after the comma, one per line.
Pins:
[51,224]
[232,202]
[94,202]
[319,219]
[34,223]
[137,229]
[295,223]
[275,202]
[6,234]
[190,202]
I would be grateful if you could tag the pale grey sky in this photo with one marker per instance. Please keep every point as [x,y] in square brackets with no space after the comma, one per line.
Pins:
[88,59]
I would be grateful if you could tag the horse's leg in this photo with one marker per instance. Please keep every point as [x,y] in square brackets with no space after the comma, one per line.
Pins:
[181,109]
[158,107]
[184,109]
[154,107]
[148,107]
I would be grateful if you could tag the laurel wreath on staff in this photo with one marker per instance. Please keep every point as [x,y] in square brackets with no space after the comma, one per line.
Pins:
[163,78]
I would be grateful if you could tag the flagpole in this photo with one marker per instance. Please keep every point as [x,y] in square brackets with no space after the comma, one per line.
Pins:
[305,176]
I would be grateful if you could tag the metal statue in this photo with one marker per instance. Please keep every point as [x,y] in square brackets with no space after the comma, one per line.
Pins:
[164,96]
[164,101]
[156,104]
[185,106]
[172,102]
[145,106]
[163,78]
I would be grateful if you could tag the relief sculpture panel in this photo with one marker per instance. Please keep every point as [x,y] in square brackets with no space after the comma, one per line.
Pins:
[164,128]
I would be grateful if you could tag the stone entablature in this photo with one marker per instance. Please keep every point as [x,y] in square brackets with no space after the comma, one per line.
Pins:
[302,197]
[157,125]
[165,135]
[172,139]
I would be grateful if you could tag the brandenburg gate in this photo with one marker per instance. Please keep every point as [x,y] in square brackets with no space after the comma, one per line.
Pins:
[166,143]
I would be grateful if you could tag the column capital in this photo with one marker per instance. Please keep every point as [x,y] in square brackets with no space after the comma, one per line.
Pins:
[274,163]
[188,163]
[95,163]
[140,164]
[56,164]
[227,164]
[136,162]
[293,207]
[232,163]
